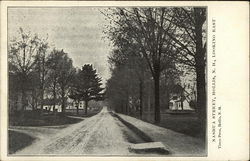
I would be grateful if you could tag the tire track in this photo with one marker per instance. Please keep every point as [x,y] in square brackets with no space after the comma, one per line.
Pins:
[67,143]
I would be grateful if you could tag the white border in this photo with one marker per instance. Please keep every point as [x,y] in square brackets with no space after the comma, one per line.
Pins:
[232,23]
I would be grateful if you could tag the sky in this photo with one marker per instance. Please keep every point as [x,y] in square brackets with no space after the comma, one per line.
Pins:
[78,31]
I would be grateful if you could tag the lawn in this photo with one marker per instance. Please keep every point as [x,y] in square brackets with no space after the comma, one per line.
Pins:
[31,118]
[35,118]
[186,123]
[18,141]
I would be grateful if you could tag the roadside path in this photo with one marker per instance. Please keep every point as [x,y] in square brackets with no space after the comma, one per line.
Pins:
[178,144]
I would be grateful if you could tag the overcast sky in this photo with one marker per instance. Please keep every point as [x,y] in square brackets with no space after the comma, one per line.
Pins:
[78,31]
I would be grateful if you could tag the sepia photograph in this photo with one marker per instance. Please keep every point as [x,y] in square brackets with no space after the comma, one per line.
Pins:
[107,81]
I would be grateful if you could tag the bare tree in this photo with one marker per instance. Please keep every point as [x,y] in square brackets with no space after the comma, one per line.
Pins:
[189,40]
[61,71]
[41,68]
[22,51]
[148,28]
[66,74]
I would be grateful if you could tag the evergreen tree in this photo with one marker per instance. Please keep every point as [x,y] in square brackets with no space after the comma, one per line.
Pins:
[86,86]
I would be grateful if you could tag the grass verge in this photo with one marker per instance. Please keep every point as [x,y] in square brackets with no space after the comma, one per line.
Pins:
[18,140]
[40,120]
[185,123]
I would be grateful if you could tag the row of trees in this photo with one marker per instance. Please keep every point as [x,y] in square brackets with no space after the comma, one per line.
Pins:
[157,45]
[36,72]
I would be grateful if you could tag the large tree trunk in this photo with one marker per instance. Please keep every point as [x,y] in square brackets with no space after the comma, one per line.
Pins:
[86,107]
[54,97]
[157,96]
[23,100]
[41,71]
[182,99]
[16,101]
[33,99]
[200,71]
[43,80]
[149,99]
[77,107]
[127,103]
[167,98]
[122,108]
[41,96]
[63,100]
[141,98]
[167,82]
[201,98]
[23,90]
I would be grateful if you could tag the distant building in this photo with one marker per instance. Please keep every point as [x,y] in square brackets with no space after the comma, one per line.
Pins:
[185,92]
[175,104]
[92,105]
[48,105]
[73,104]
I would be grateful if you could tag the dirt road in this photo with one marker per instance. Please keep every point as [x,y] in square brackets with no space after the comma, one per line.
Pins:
[97,135]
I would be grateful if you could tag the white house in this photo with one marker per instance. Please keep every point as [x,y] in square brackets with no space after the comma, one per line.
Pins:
[176,105]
